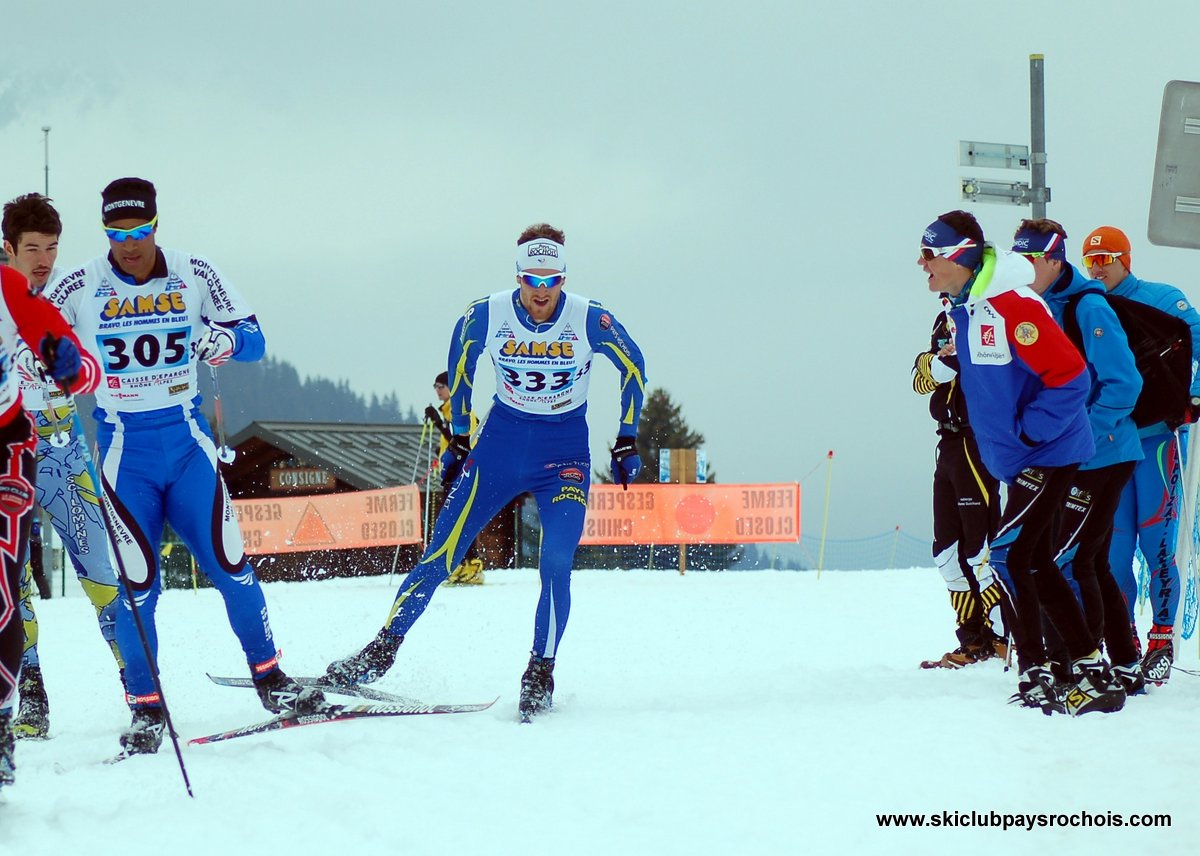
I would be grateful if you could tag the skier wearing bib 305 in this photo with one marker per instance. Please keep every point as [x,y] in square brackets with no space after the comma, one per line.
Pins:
[535,438]
[67,487]
[26,316]
[151,316]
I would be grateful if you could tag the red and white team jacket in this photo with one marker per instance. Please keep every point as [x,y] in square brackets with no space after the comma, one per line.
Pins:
[31,317]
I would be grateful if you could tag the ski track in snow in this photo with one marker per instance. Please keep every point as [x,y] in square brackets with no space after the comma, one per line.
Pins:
[748,712]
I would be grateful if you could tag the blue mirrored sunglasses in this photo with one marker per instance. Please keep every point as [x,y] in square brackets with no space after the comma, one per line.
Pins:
[134,234]
[534,281]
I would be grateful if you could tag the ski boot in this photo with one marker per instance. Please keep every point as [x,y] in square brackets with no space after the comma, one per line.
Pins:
[33,714]
[1095,690]
[469,573]
[145,732]
[7,745]
[1036,689]
[282,694]
[537,687]
[368,665]
[1130,678]
[1160,653]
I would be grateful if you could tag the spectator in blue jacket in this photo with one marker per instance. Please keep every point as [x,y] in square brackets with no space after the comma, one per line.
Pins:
[1085,527]
[1148,513]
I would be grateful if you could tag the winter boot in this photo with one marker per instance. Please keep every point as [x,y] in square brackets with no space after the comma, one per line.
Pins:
[7,745]
[145,732]
[33,715]
[963,655]
[1130,678]
[1160,653]
[1036,689]
[1095,690]
[282,694]
[368,665]
[537,687]
[469,573]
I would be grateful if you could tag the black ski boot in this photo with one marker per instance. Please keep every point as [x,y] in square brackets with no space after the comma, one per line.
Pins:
[368,665]
[33,715]
[1156,665]
[1036,689]
[7,745]
[1095,690]
[280,694]
[537,687]
[1130,678]
[145,732]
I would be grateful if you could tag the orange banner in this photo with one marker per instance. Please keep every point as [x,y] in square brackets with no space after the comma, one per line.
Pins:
[337,521]
[692,514]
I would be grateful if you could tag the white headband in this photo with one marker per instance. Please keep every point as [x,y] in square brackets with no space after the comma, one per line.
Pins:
[541,253]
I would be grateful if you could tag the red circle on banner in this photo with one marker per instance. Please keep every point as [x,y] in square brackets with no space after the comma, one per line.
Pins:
[695,514]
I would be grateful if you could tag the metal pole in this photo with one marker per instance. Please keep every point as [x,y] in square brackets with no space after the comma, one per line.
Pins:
[46,141]
[1037,134]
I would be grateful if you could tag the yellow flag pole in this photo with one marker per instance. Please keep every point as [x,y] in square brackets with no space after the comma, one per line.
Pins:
[825,522]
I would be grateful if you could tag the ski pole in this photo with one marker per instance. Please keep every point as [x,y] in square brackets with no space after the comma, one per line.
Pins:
[110,517]
[224,454]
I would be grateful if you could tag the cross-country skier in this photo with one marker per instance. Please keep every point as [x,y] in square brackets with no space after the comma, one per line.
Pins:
[1148,514]
[1027,388]
[1086,516]
[541,340]
[24,315]
[66,480]
[151,316]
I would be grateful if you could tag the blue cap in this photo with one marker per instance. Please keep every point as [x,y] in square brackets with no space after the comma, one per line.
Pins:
[940,235]
[1032,241]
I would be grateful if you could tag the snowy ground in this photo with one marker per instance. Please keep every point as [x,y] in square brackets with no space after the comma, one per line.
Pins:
[753,712]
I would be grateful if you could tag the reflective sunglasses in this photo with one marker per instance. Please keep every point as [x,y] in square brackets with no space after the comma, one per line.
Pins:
[534,281]
[1038,255]
[1100,259]
[134,234]
[930,253]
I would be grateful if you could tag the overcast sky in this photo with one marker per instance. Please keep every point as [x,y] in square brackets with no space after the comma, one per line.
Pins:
[744,185]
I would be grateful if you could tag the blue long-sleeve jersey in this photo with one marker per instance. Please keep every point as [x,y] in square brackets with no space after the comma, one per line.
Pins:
[1171,300]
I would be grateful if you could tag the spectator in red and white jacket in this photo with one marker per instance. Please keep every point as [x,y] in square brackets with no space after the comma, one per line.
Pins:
[24,315]
[1026,387]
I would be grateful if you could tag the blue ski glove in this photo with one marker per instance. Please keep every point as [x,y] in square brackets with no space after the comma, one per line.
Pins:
[626,463]
[454,457]
[61,359]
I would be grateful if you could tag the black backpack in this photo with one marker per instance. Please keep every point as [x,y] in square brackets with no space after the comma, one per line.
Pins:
[1162,349]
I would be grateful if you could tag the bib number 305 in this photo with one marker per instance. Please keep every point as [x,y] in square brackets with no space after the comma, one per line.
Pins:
[142,351]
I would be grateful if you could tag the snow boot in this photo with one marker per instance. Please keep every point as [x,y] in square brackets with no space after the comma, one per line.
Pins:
[1036,689]
[282,694]
[368,665]
[537,687]
[145,732]
[963,655]
[1095,690]
[7,746]
[33,714]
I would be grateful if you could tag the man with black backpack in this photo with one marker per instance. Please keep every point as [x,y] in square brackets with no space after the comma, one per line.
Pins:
[1085,526]
[1148,512]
